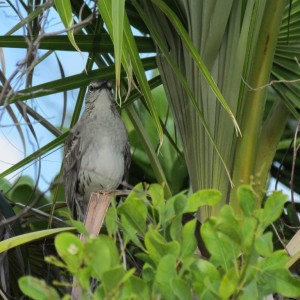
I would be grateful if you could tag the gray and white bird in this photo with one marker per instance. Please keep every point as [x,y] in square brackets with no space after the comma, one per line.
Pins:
[97,152]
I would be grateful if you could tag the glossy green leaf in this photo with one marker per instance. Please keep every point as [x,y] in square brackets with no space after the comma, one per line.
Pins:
[176,228]
[181,289]
[82,276]
[282,282]
[204,275]
[180,201]
[273,208]
[229,283]
[228,224]
[157,195]
[274,277]
[166,271]
[174,206]
[70,249]
[158,247]
[135,212]
[222,248]
[101,255]
[249,291]
[111,221]
[130,232]
[188,242]
[264,244]
[37,289]
[276,261]
[248,230]
[201,198]
[127,224]
[246,199]
[53,260]
[136,288]
[114,278]
[148,273]
[77,224]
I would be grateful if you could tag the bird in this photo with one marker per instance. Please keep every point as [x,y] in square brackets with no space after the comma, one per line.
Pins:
[97,150]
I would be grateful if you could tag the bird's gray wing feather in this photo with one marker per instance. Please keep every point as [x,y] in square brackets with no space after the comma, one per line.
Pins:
[127,161]
[72,162]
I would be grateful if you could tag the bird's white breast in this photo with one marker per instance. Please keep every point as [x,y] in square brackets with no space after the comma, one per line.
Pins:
[105,171]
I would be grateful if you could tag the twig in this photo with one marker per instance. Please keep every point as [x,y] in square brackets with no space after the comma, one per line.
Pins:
[295,151]
[33,47]
[27,208]
[272,82]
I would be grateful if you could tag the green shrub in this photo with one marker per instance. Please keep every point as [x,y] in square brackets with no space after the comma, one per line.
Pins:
[156,257]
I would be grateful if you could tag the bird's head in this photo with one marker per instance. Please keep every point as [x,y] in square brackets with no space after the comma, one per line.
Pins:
[99,90]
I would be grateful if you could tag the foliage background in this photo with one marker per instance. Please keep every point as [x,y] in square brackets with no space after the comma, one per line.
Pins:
[192,48]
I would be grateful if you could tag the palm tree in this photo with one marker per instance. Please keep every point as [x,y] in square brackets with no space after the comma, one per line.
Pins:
[218,62]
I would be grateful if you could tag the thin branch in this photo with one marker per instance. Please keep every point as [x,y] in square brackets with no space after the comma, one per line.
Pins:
[295,151]
[272,82]
[28,208]
[33,47]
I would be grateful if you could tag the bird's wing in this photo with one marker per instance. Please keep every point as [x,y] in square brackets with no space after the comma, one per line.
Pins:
[72,160]
[127,161]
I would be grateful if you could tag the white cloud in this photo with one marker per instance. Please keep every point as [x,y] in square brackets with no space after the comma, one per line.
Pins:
[10,152]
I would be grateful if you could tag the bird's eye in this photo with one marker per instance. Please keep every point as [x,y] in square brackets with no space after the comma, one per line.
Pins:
[91,88]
